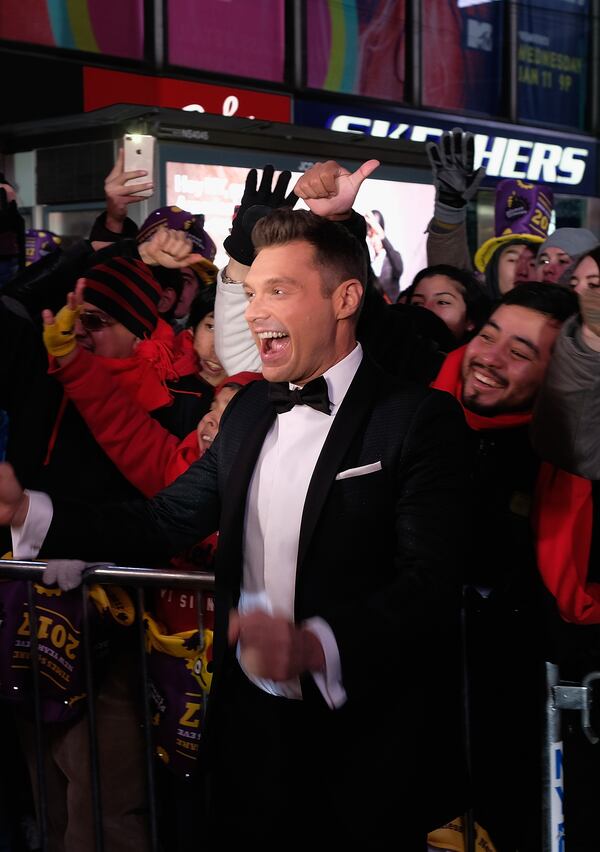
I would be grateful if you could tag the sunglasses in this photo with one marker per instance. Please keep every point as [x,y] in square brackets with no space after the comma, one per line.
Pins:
[94,322]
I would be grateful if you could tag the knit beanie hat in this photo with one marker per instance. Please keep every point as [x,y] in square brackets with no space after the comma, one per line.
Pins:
[573,241]
[126,290]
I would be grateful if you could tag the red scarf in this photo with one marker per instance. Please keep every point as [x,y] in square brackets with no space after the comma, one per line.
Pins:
[186,361]
[562,522]
[143,375]
[450,379]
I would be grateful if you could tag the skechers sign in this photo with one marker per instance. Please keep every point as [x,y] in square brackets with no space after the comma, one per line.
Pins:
[569,162]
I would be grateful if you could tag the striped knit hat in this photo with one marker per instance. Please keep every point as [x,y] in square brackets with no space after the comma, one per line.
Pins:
[126,290]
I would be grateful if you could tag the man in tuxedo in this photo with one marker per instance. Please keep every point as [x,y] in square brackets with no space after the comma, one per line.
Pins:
[339,495]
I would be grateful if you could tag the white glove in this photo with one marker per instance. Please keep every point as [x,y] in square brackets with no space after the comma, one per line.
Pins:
[66,573]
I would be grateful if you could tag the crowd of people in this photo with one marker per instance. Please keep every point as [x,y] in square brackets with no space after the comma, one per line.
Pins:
[395,489]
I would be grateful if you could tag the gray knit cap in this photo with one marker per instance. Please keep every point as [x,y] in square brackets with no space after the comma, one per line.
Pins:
[573,241]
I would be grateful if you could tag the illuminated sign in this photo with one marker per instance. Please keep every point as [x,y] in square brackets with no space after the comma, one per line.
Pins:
[568,162]
[103,88]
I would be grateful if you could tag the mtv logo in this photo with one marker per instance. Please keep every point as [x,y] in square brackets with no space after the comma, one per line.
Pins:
[479,35]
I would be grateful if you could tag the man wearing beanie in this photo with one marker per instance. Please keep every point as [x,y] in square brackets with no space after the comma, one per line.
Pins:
[107,327]
[558,253]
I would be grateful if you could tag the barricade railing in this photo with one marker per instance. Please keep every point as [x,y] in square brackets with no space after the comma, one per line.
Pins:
[131,577]
[560,697]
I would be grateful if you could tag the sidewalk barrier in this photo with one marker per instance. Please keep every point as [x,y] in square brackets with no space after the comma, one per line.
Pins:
[133,577]
[561,696]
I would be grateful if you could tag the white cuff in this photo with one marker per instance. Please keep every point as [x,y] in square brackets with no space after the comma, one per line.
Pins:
[328,682]
[27,539]
[234,344]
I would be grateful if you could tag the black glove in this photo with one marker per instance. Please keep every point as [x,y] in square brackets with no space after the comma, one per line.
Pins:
[452,163]
[256,203]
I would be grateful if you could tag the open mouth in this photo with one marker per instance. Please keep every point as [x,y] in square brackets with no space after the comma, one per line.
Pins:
[212,366]
[484,379]
[273,344]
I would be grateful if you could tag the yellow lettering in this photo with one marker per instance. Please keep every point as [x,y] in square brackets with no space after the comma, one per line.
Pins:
[44,623]
[58,636]
[72,645]
[24,628]
[187,718]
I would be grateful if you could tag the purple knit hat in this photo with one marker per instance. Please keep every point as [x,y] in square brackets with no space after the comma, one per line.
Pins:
[523,210]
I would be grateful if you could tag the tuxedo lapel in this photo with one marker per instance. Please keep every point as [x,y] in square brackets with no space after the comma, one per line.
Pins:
[353,411]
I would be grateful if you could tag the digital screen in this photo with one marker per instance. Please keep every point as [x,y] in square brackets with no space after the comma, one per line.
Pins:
[214,190]
[356,46]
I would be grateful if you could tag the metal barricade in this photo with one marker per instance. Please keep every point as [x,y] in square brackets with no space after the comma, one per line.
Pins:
[561,696]
[138,579]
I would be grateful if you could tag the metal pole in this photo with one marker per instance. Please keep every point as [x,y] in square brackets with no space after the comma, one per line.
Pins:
[42,796]
[92,730]
[553,828]
[468,817]
[147,721]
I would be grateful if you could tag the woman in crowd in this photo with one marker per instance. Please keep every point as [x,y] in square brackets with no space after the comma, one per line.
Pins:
[454,295]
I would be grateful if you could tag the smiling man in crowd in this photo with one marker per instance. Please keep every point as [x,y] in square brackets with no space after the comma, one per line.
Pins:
[496,378]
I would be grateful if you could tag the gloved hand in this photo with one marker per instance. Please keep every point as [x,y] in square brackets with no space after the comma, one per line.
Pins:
[452,163]
[255,204]
[66,573]
[59,330]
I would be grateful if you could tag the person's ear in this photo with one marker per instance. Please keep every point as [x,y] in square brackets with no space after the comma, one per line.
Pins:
[470,325]
[348,297]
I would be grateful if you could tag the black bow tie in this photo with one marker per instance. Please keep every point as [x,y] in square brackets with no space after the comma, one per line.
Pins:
[313,394]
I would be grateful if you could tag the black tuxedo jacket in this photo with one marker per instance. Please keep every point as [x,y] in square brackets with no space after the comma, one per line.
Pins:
[378,559]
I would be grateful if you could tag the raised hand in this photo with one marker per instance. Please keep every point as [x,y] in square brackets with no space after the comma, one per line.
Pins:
[59,330]
[256,202]
[118,195]
[14,503]
[452,162]
[330,190]
[169,248]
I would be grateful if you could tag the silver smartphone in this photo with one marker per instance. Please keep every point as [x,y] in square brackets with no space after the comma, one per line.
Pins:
[139,154]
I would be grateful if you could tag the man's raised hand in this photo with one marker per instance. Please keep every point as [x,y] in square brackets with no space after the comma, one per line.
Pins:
[59,330]
[169,248]
[118,194]
[330,190]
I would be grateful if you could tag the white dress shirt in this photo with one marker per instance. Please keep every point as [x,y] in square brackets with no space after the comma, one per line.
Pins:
[273,518]
[272,523]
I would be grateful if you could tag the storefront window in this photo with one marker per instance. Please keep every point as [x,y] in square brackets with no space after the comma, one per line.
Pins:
[109,27]
[356,46]
[552,71]
[462,49]
[245,38]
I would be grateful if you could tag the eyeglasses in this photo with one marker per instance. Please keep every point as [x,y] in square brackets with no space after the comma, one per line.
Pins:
[92,321]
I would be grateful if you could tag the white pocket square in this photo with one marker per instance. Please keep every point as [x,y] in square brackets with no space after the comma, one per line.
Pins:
[359,471]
